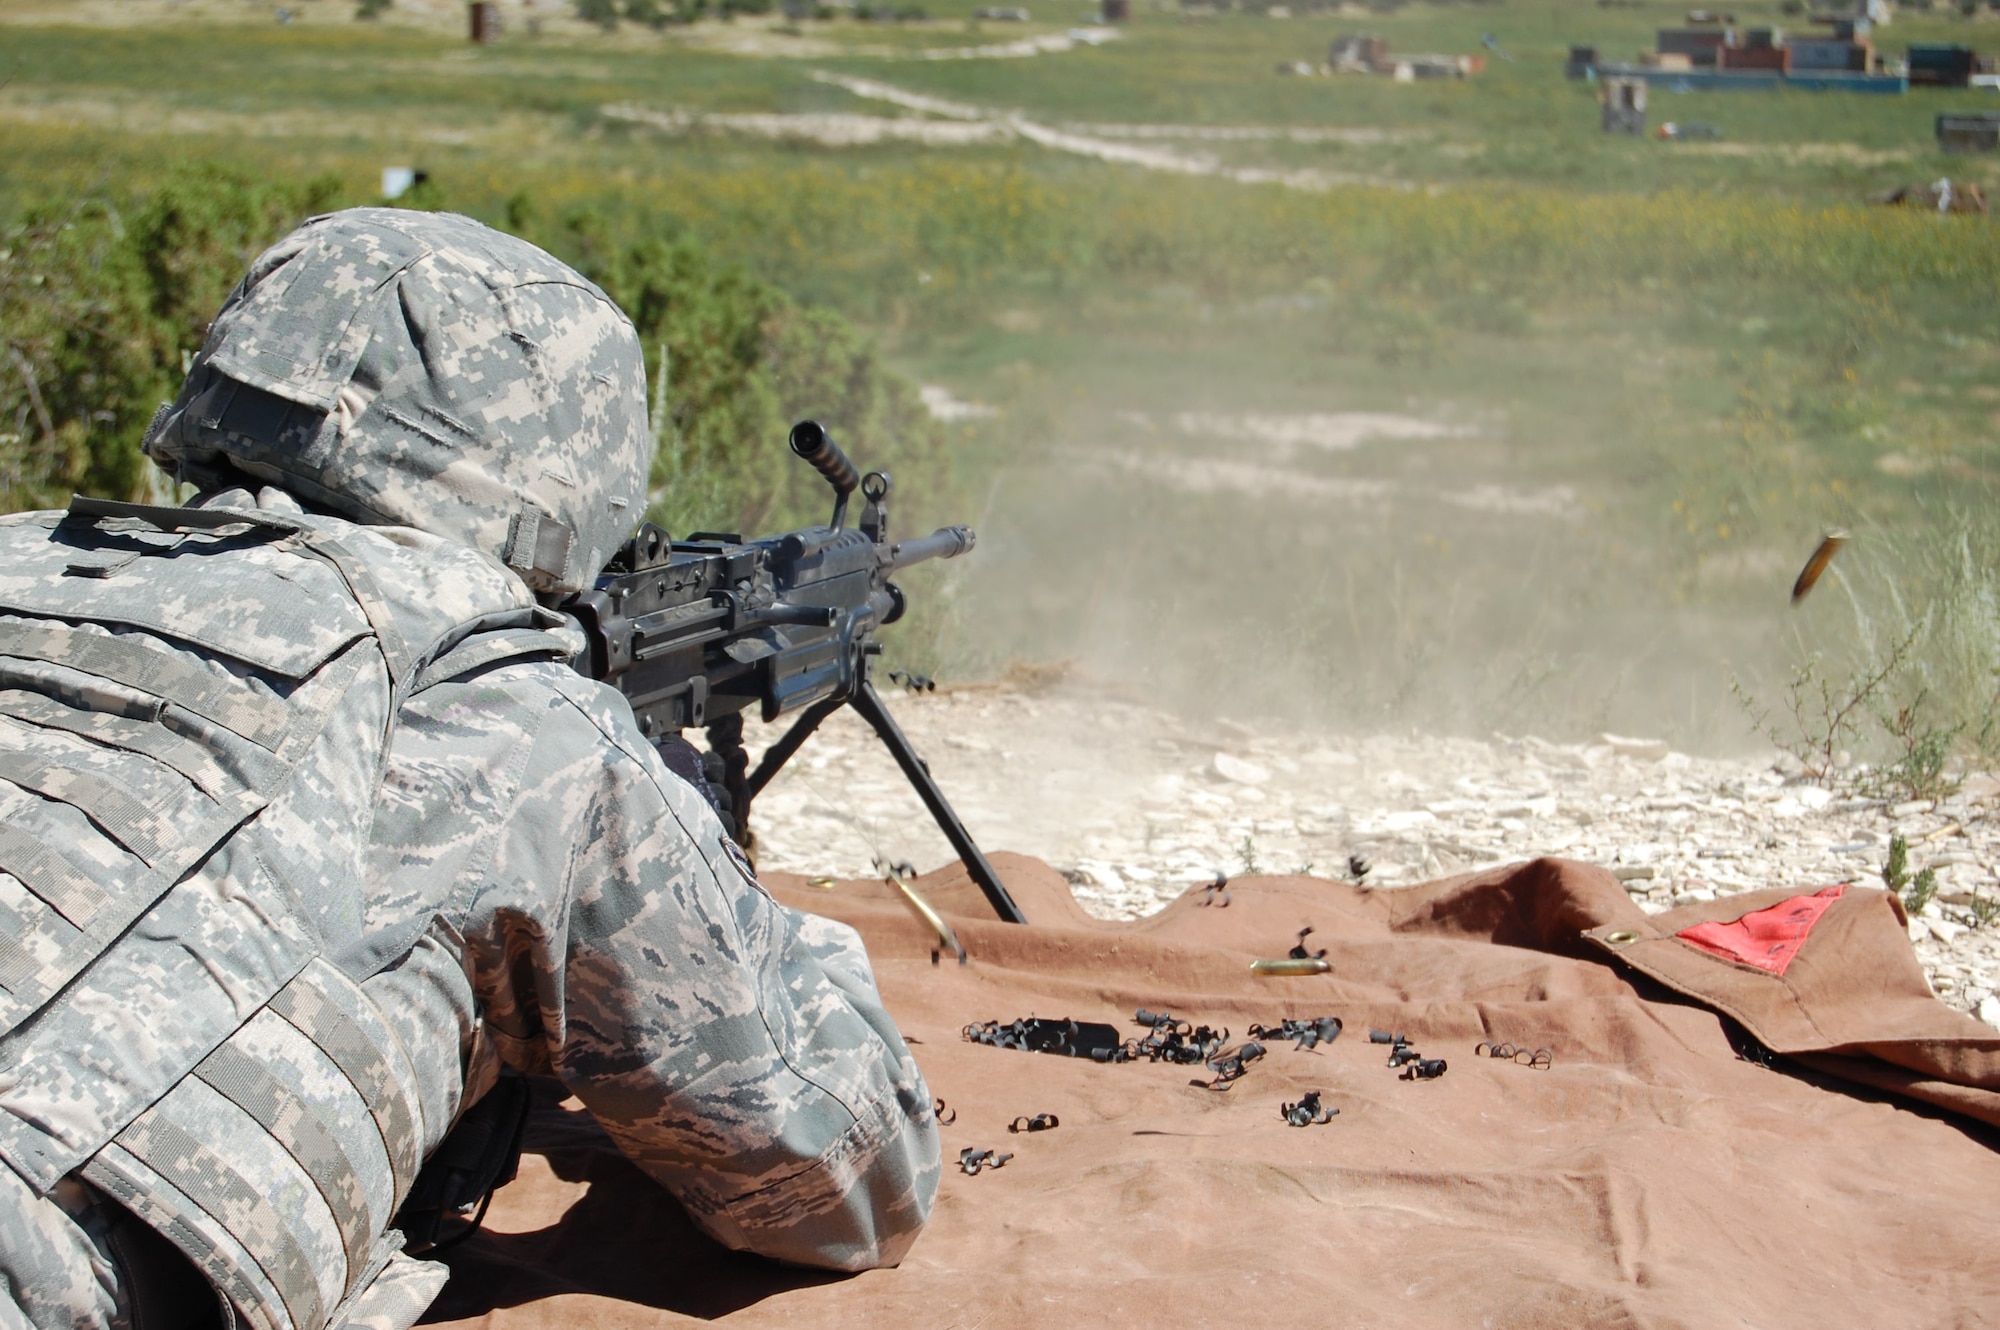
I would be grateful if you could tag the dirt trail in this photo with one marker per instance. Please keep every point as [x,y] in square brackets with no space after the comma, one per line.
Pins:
[1082,143]
[940,122]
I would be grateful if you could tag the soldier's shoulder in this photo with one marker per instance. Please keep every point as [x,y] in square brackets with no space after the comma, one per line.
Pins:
[46,518]
[536,695]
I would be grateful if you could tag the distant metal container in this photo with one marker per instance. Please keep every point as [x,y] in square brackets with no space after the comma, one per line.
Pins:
[1969,131]
[1778,58]
[1940,64]
[484,16]
[1813,53]
[1624,106]
[1582,59]
[1741,80]
[1358,51]
[1699,45]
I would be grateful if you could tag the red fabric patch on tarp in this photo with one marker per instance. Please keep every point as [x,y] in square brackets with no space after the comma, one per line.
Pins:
[1767,939]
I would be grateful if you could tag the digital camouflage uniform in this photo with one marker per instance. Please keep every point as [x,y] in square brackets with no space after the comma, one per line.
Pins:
[289,804]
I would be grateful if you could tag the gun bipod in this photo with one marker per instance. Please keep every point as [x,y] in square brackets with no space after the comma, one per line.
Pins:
[869,704]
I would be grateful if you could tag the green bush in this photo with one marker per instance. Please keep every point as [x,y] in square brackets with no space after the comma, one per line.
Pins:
[101,304]
[648,12]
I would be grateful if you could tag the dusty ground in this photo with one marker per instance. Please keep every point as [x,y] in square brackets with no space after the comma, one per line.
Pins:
[1137,806]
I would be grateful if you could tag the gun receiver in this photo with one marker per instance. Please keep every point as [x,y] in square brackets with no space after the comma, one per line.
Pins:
[695,632]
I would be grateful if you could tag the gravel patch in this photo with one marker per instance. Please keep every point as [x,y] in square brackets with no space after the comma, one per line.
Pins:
[1136,805]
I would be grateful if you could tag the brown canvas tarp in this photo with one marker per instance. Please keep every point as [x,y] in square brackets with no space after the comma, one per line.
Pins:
[1650,1177]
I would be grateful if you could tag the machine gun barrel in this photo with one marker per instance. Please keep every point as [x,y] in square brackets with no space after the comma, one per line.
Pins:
[947,542]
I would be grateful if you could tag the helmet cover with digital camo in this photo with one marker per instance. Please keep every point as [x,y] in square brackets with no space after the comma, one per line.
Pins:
[421,369]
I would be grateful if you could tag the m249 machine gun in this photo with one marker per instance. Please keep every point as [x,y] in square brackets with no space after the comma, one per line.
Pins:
[695,632]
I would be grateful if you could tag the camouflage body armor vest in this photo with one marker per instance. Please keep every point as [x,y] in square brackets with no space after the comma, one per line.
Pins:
[195,706]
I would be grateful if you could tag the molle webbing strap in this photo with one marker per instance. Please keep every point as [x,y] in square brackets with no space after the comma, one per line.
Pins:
[136,895]
[180,519]
[352,571]
[213,1183]
[53,879]
[298,1127]
[489,648]
[121,816]
[343,1040]
[194,1244]
[153,739]
[234,706]
[17,968]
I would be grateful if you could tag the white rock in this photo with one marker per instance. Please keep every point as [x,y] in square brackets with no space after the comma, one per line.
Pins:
[1814,797]
[1407,820]
[1097,872]
[1989,1011]
[1237,769]
[1944,930]
[1914,806]
[1643,750]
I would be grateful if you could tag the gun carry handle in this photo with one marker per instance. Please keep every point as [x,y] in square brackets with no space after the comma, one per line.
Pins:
[812,441]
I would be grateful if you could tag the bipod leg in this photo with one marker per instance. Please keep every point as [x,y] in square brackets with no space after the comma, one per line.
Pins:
[725,740]
[781,752]
[869,703]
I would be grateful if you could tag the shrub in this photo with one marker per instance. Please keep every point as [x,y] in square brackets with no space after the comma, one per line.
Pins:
[741,361]
[98,309]
[101,306]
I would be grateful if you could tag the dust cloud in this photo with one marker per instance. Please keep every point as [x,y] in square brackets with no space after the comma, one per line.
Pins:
[1335,571]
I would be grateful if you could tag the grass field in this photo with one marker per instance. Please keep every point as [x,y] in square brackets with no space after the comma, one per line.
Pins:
[1620,384]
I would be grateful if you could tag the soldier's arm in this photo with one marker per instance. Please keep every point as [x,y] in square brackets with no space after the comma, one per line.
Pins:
[736,1050]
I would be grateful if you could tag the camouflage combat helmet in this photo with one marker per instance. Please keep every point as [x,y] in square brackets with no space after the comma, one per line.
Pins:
[419,369]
